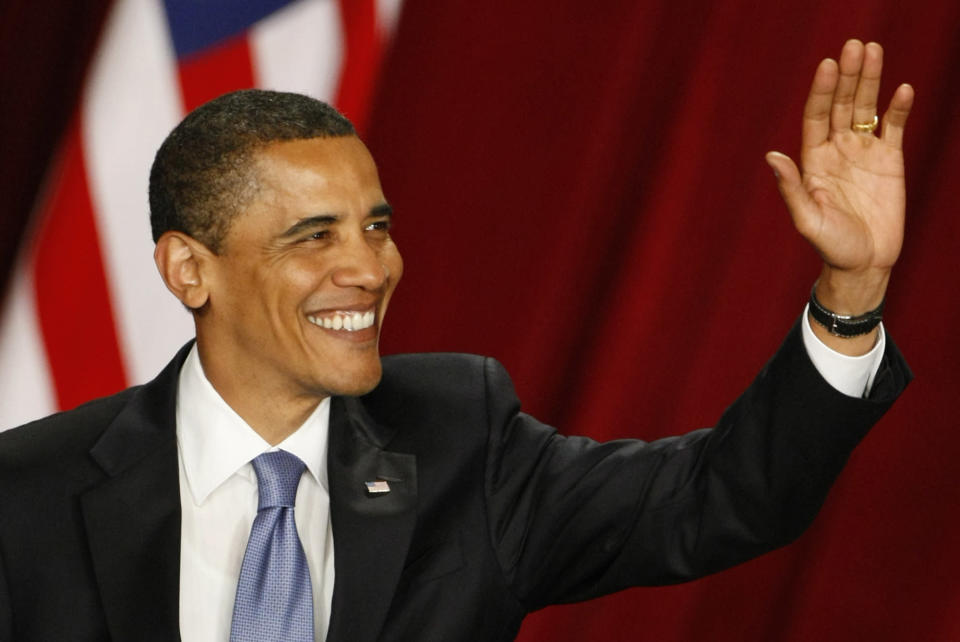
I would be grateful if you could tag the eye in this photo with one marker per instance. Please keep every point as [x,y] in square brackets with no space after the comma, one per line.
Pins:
[319,235]
[378,226]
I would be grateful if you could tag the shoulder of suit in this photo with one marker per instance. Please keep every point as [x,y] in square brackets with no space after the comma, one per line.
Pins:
[435,380]
[436,404]
[61,434]
[443,361]
[448,371]
[71,434]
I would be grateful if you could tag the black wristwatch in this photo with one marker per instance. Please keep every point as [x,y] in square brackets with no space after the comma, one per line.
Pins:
[842,325]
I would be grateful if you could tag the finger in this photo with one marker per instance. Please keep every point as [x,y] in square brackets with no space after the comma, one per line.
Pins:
[816,113]
[865,101]
[851,61]
[798,200]
[895,119]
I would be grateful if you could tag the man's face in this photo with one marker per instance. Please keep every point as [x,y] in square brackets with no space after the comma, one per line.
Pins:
[298,293]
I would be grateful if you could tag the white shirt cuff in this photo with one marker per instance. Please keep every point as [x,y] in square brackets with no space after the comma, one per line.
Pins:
[853,376]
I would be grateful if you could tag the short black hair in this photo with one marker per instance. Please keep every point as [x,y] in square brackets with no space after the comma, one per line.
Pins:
[202,174]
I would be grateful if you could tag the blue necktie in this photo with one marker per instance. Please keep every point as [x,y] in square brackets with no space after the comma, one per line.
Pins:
[274,597]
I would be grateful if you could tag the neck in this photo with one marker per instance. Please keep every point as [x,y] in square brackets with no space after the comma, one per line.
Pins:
[272,414]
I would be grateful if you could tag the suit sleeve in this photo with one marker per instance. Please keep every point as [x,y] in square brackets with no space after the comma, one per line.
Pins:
[572,519]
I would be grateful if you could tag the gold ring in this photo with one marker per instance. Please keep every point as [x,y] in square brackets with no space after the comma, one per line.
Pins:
[866,128]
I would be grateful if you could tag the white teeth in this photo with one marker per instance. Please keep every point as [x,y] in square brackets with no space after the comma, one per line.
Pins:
[349,322]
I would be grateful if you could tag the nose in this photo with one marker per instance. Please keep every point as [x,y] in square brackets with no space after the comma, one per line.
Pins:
[360,266]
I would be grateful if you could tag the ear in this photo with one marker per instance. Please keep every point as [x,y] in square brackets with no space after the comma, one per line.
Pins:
[181,259]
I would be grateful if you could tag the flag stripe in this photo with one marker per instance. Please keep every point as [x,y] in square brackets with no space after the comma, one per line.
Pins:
[299,48]
[26,391]
[361,60]
[222,68]
[73,305]
[388,15]
[131,103]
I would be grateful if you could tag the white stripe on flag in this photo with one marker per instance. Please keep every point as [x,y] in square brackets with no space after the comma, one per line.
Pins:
[388,15]
[299,49]
[131,103]
[26,390]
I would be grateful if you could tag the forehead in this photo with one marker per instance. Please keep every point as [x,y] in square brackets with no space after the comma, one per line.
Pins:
[337,164]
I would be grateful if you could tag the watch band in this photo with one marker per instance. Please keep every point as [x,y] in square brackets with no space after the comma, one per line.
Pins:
[842,325]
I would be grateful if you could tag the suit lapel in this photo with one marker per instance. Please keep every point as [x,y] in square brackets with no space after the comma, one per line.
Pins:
[132,519]
[371,530]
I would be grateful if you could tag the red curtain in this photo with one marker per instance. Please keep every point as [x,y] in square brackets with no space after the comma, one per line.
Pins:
[581,192]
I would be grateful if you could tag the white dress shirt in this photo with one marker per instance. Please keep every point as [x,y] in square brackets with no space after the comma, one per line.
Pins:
[853,376]
[218,489]
[218,500]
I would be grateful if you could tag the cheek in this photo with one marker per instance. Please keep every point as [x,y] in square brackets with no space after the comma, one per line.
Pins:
[235,287]
[392,260]
[290,283]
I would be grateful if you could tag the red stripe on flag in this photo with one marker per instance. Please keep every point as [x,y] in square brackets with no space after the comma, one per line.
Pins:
[217,70]
[73,302]
[361,60]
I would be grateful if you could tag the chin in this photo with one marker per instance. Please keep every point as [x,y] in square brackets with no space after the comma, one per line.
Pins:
[355,385]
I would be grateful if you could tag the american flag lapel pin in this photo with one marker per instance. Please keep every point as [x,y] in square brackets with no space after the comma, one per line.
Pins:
[377,487]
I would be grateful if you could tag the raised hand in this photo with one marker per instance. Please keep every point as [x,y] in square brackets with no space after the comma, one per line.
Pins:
[850,200]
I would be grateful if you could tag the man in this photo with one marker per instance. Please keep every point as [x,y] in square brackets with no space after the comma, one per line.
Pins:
[429,507]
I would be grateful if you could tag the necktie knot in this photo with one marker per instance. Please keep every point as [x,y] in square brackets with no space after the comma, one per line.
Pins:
[278,475]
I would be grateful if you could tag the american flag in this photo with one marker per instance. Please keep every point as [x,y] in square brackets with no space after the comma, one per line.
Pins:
[87,313]
[377,486]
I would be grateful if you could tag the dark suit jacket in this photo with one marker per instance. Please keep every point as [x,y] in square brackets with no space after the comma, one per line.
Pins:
[490,515]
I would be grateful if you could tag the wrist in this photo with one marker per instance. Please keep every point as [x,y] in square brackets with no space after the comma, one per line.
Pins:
[851,293]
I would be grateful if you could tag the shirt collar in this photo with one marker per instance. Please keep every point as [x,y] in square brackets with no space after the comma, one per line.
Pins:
[215,442]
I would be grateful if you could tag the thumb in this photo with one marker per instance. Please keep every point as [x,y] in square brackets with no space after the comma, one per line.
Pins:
[797,198]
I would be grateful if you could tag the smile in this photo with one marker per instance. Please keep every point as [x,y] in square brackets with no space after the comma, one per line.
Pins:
[349,321]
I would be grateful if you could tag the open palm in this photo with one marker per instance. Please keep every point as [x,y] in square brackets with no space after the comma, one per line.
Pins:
[850,200]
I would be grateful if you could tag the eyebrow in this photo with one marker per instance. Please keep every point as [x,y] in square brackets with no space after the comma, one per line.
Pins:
[383,209]
[309,222]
